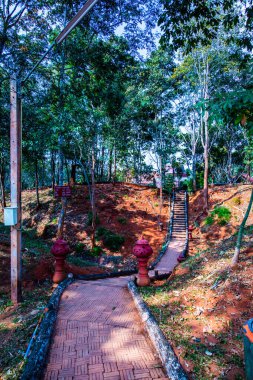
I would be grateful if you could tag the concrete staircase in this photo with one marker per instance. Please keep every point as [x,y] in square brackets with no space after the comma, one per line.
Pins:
[176,247]
[179,225]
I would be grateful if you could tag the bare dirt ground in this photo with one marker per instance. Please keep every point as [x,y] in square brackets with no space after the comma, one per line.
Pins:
[204,305]
[126,210]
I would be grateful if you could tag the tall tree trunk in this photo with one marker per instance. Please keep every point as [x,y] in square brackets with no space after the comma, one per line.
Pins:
[206,170]
[61,160]
[93,204]
[114,165]
[62,218]
[205,133]
[110,166]
[230,163]
[102,164]
[249,170]
[67,171]
[73,174]
[240,232]
[43,173]
[53,170]
[37,183]
[194,182]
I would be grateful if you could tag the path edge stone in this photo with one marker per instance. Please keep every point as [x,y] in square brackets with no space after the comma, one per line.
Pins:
[35,365]
[101,276]
[169,359]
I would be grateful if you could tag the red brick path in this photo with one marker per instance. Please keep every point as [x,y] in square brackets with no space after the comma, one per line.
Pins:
[99,335]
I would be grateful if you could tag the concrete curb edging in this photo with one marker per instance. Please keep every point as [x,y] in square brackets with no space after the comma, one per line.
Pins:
[102,276]
[35,364]
[169,359]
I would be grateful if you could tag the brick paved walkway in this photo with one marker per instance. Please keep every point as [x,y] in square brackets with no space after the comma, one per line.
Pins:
[99,335]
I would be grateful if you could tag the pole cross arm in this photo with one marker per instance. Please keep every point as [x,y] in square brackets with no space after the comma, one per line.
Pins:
[64,33]
[75,20]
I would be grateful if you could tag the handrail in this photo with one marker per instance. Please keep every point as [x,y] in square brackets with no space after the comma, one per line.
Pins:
[171,221]
[168,236]
[183,255]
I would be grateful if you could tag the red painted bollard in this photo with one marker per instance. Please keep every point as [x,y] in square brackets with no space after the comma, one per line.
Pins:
[60,250]
[190,229]
[142,251]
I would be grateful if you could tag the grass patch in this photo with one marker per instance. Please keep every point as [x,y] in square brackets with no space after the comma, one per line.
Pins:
[222,214]
[237,201]
[17,333]
[80,262]
[33,242]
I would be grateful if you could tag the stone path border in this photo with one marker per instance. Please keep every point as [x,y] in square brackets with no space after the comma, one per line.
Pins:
[168,357]
[37,359]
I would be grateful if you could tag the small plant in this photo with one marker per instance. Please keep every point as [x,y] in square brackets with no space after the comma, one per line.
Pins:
[122,220]
[110,239]
[237,201]
[79,248]
[96,251]
[223,214]
[209,220]
[222,222]
[89,220]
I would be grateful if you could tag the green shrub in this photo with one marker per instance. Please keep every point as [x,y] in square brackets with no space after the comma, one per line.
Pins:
[110,239]
[187,184]
[95,251]
[209,221]
[223,214]
[222,222]
[101,231]
[122,220]
[79,248]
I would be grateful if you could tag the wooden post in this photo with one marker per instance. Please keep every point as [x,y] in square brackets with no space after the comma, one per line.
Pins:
[15,137]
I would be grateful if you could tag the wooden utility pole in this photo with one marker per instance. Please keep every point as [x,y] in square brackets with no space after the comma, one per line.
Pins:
[15,137]
[16,149]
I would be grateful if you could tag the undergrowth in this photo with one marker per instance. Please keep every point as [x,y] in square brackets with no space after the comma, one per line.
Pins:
[110,239]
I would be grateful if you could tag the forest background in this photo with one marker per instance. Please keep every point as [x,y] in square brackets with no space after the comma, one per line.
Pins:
[169,78]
